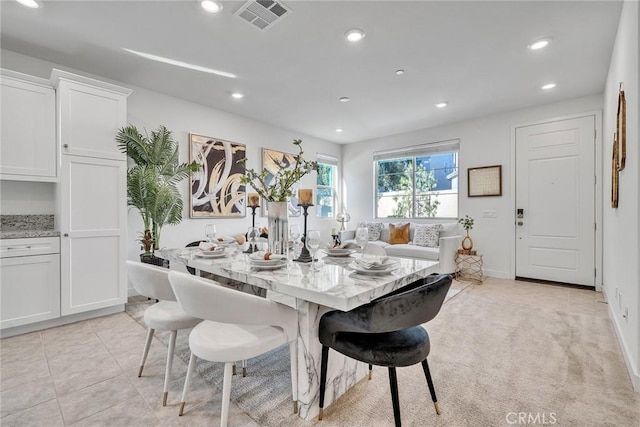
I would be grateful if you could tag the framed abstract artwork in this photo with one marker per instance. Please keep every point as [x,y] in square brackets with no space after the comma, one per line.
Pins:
[621,128]
[270,161]
[216,190]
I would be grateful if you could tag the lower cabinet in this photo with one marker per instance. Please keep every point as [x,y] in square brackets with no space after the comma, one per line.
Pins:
[30,286]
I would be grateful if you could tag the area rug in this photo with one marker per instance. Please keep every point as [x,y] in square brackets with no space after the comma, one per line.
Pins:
[265,394]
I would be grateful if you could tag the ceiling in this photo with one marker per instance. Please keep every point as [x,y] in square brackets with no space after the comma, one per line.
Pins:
[471,54]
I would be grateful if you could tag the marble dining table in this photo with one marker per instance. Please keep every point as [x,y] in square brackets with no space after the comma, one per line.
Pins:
[335,285]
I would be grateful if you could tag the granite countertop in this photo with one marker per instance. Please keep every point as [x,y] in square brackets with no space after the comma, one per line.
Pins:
[27,226]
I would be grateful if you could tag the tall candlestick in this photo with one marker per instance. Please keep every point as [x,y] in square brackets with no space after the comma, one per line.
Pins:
[305,256]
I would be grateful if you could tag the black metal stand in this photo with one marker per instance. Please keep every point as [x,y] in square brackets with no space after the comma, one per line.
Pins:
[252,246]
[305,256]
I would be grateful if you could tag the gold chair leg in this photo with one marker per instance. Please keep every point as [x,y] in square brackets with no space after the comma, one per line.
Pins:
[295,407]
[320,415]
[140,371]
[435,404]
[181,408]
[234,369]
[244,372]
[164,398]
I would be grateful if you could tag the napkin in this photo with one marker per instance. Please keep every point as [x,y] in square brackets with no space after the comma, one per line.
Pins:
[208,246]
[348,246]
[259,255]
[374,263]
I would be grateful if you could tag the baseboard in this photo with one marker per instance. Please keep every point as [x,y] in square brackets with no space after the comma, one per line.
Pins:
[626,354]
[46,324]
[497,274]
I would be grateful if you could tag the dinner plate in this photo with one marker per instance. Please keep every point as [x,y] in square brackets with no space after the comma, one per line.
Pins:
[361,270]
[341,252]
[211,254]
[269,267]
[265,262]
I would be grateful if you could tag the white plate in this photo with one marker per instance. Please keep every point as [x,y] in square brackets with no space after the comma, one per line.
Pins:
[360,270]
[331,252]
[265,262]
[211,254]
[269,267]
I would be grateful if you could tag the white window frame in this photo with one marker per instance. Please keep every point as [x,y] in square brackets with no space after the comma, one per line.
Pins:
[449,146]
[333,162]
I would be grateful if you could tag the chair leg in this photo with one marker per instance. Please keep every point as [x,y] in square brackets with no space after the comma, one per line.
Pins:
[393,382]
[370,371]
[293,355]
[323,377]
[187,381]
[167,372]
[244,368]
[432,390]
[226,393]
[145,352]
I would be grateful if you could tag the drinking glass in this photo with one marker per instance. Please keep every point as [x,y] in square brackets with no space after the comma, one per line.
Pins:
[294,232]
[210,232]
[313,244]
[362,237]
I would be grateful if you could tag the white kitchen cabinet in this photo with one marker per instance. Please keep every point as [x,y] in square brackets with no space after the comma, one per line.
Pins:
[90,112]
[30,286]
[28,131]
[92,196]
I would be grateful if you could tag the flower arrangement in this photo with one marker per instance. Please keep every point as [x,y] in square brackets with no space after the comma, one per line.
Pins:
[284,178]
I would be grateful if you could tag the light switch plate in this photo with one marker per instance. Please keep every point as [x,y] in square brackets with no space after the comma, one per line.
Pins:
[489,214]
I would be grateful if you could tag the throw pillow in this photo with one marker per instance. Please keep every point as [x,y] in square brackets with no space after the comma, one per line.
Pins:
[374,229]
[427,235]
[398,233]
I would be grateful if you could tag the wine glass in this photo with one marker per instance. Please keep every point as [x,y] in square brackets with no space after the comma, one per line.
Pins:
[210,232]
[312,241]
[252,234]
[362,237]
[294,232]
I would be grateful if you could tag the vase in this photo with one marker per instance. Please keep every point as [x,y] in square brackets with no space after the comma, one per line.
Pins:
[467,243]
[278,215]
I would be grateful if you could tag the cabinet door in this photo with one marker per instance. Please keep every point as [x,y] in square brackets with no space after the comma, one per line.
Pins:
[89,120]
[28,138]
[30,289]
[93,225]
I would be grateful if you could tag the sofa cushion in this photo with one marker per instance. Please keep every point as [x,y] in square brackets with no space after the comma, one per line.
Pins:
[413,251]
[427,235]
[374,229]
[398,233]
[450,229]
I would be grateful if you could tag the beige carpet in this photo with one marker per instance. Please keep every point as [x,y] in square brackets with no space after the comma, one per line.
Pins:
[498,349]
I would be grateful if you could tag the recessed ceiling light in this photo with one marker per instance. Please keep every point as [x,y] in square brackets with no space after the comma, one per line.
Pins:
[539,44]
[32,4]
[237,95]
[345,99]
[181,64]
[354,35]
[399,72]
[442,104]
[211,6]
[549,86]
[339,130]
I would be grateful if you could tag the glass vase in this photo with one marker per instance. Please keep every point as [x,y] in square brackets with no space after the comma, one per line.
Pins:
[278,216]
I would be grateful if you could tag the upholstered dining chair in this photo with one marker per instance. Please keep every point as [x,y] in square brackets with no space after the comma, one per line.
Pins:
[165,315]
[374,250]
[193,245]
[237,326]
[386,332]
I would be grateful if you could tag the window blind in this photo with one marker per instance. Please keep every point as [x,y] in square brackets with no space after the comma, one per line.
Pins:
[417,150]
[327,159]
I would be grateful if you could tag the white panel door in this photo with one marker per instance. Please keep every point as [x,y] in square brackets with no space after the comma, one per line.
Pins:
[555,201]
[30,289]
[93,218]
[28,136]
[89,120]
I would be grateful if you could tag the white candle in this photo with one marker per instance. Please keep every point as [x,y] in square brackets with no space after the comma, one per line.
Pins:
[305,196]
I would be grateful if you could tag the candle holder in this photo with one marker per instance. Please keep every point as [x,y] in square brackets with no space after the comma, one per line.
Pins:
[252,246]
[305,256]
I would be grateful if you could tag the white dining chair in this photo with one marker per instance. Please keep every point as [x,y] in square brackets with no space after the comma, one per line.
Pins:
[370,249]
[165,315]
[237,326]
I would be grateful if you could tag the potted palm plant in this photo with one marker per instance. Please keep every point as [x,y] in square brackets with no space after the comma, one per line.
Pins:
[152,182]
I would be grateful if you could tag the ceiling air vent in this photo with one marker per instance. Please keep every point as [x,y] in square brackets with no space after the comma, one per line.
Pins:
[263,14]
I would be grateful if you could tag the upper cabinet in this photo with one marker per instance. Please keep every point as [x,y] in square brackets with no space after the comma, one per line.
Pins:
[28,135]
[89,114]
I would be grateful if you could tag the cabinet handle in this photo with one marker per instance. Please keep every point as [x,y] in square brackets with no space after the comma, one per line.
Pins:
[65,145]
[10,248]
[66,234]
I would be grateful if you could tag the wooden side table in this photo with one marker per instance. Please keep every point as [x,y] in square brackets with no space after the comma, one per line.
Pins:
[469,267]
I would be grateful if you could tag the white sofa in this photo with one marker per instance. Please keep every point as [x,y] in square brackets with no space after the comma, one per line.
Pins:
[449,242]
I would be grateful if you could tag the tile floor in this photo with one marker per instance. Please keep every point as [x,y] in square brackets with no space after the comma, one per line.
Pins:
[85,374]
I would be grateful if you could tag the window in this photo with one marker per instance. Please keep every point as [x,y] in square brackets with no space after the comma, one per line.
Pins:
[418,182]
[326,194]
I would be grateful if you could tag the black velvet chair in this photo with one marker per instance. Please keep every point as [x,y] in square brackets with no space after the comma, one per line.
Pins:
[386,332]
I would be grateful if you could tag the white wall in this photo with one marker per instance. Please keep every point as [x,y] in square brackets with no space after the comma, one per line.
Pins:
[483,142]
[621,226]
[27,198]
[147,109]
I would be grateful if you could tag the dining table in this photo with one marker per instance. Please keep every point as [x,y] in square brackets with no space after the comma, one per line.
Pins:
[336,283]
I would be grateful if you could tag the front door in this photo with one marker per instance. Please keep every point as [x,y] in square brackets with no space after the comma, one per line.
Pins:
[555,201]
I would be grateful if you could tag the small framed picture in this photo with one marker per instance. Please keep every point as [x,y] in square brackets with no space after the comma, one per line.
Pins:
[484,181]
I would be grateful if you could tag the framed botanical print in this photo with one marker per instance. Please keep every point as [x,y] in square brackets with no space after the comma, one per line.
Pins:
[484,181]
[216,190]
